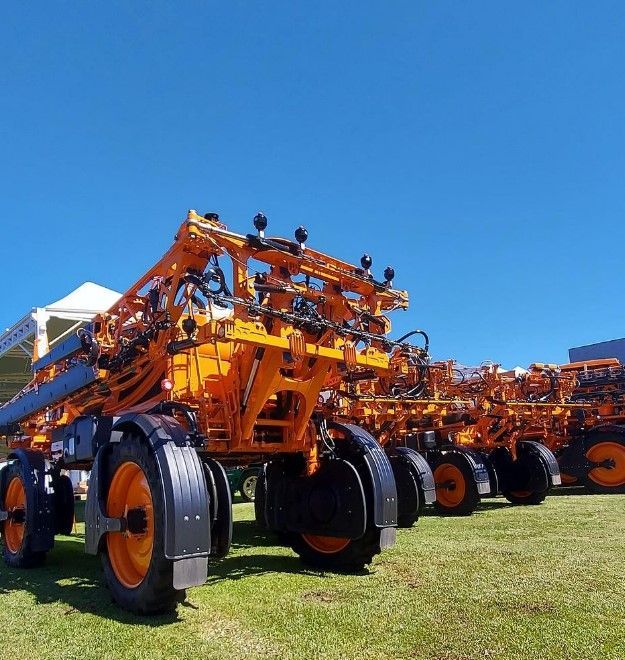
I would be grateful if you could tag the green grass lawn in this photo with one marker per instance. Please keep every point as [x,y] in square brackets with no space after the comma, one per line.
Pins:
[508,582]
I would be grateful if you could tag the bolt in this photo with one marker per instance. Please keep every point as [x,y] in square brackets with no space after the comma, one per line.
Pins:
[197,518]
[186,518]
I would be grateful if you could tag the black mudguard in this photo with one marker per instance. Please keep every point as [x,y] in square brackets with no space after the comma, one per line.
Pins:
[406,482]
[495,488]
[307,504]
[478,467]
[414,482]
[39,497]
[187,507]
[361,443]
[351,490]
[423,472]
[546,457]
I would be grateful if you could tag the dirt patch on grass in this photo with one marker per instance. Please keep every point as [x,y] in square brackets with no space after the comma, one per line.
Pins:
[405,574]
[321,596]
[236,640]
[528,608]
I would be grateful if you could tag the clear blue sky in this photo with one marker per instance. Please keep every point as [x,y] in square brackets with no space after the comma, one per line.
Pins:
[478,147]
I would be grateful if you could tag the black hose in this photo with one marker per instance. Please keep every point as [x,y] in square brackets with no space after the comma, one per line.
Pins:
[426,347]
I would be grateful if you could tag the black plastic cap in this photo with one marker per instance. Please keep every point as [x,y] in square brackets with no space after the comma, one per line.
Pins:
[301,234]
[189,326]
[366,261]
[211,216]
[260,221]
[389,273]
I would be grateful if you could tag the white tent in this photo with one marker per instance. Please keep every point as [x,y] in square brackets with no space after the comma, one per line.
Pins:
[47,326]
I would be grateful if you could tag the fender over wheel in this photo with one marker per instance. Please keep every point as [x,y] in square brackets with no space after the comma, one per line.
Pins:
[414,482]
[345,513]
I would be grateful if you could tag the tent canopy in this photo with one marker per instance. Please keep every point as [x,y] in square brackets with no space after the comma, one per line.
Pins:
[48,325]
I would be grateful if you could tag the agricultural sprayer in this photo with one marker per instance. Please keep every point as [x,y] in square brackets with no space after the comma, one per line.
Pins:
[217,354]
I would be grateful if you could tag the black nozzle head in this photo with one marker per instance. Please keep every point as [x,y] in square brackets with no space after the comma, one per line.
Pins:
[389,274]
[260,222]
[189,326]
[301,234]
[366,261]
[212,216]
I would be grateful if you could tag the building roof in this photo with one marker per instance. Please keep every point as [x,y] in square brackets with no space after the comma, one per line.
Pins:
[59,319]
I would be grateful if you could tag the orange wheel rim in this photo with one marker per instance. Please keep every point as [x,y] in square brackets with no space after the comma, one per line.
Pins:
[130,553]
[451,486]
[327,545]
[15,500]
[610,477]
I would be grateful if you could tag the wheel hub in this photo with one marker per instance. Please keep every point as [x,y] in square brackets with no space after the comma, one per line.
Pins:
[137,521]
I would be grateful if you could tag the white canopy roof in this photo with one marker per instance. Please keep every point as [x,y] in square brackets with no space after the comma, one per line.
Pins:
[84,302]
[52,323]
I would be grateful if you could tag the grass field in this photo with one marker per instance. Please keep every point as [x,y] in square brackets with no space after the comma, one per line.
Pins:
[508,582]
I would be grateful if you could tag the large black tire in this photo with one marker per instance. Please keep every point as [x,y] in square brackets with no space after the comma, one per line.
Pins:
[533,481]
[609,448]
[410,497]
[63,503]
[247,487]
[352,558]
[17,554]
[456,490]
[155,593]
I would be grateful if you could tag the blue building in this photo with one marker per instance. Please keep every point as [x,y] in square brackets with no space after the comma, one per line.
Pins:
[615,348]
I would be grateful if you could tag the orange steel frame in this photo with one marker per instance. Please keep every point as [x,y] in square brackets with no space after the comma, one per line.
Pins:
[486,410]
[253,378]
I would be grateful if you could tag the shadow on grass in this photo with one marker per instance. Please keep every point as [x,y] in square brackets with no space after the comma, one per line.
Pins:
[492,504]
[569,490]
[74,580]
[482,507]
[235,567]
[245,535]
